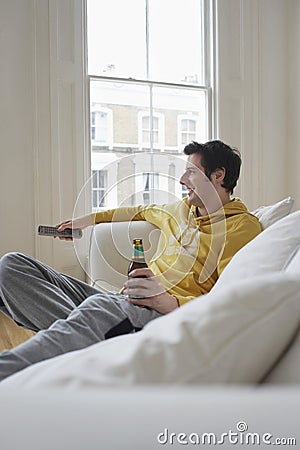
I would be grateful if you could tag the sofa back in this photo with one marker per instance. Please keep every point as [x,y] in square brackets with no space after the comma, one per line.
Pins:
[111,249]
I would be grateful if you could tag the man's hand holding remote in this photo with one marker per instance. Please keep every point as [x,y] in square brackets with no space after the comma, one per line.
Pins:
[79,222]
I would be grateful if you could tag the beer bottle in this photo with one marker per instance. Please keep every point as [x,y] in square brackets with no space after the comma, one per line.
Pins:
[138,257]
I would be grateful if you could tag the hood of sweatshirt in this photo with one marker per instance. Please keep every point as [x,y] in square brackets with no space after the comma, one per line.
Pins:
[233,208]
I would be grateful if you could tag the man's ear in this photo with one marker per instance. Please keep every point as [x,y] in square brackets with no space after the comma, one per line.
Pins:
[219,174]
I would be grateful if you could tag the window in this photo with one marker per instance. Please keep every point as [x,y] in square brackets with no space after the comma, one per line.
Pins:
[146,129]
[99,188]
[155,83]
[151,183]
[183,191]
[101,126]
[151,127]
[187,131]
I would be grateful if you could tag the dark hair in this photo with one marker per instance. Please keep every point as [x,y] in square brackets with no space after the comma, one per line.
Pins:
[214,155]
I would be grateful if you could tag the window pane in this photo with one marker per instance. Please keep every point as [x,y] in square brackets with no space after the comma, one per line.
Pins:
[94,175]
[184,139]
[175,30]
[146,198]
[101,199]
[146,137]
[155,178]
[155,123]
[102,179]
[146,181]
[95,199]
[99,188]
[146,123]
[155,137]
[125,101]
[116,38]
[184,125]
[192,125]
[175,103]
[183,191]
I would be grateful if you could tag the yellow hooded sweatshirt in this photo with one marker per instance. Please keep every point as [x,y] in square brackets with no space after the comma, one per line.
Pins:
[192,251]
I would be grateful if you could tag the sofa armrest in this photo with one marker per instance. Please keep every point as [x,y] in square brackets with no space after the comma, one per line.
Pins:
[113,417]
[110,251]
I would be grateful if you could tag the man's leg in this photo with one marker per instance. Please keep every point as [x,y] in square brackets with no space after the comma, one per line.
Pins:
[34,295]
[99,317]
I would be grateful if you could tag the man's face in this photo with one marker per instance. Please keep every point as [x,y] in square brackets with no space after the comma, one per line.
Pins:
[200,188]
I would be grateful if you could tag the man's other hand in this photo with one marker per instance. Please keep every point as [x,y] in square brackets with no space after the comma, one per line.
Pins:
[148,292]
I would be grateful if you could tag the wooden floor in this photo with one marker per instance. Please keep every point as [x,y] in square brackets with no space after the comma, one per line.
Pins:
[11,334]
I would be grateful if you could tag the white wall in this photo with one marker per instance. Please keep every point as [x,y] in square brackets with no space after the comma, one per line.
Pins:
[253,79]
[273,90]
[17,126]
[292,148]
[42,166]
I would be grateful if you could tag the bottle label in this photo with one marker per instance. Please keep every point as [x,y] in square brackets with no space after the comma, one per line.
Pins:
[138,253]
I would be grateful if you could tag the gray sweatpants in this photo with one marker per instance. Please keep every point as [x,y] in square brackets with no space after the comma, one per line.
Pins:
[67,313]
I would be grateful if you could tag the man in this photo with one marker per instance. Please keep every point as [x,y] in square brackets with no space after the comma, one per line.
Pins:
[200,235]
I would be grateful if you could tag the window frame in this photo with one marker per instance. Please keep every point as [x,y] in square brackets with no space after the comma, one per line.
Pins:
[207,88]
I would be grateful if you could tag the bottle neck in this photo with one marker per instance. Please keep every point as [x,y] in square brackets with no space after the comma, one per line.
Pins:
[138,253]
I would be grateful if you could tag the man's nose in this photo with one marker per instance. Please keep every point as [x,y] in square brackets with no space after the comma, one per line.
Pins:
[183,179]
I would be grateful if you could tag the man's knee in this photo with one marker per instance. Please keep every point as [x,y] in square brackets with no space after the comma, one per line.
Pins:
[7,263]
[106,301]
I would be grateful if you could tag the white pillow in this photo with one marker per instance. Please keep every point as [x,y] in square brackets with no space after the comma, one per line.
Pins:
[293,265]
[268,215]
[287,370]
[272,250]
[232,336]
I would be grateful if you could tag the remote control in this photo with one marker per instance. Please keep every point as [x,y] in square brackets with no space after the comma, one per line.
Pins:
[44,230]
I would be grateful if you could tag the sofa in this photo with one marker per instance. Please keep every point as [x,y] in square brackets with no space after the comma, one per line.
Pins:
[223,369]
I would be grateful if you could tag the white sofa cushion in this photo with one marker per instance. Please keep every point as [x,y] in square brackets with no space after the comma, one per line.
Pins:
[275,249]
[231,336]
[272,250]
[293,265]
[287,370]
[268,215]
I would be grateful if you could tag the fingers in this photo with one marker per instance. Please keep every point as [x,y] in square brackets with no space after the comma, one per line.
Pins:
[144,272]
[143,287]
[63,238]
[136,288]
[63,225]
